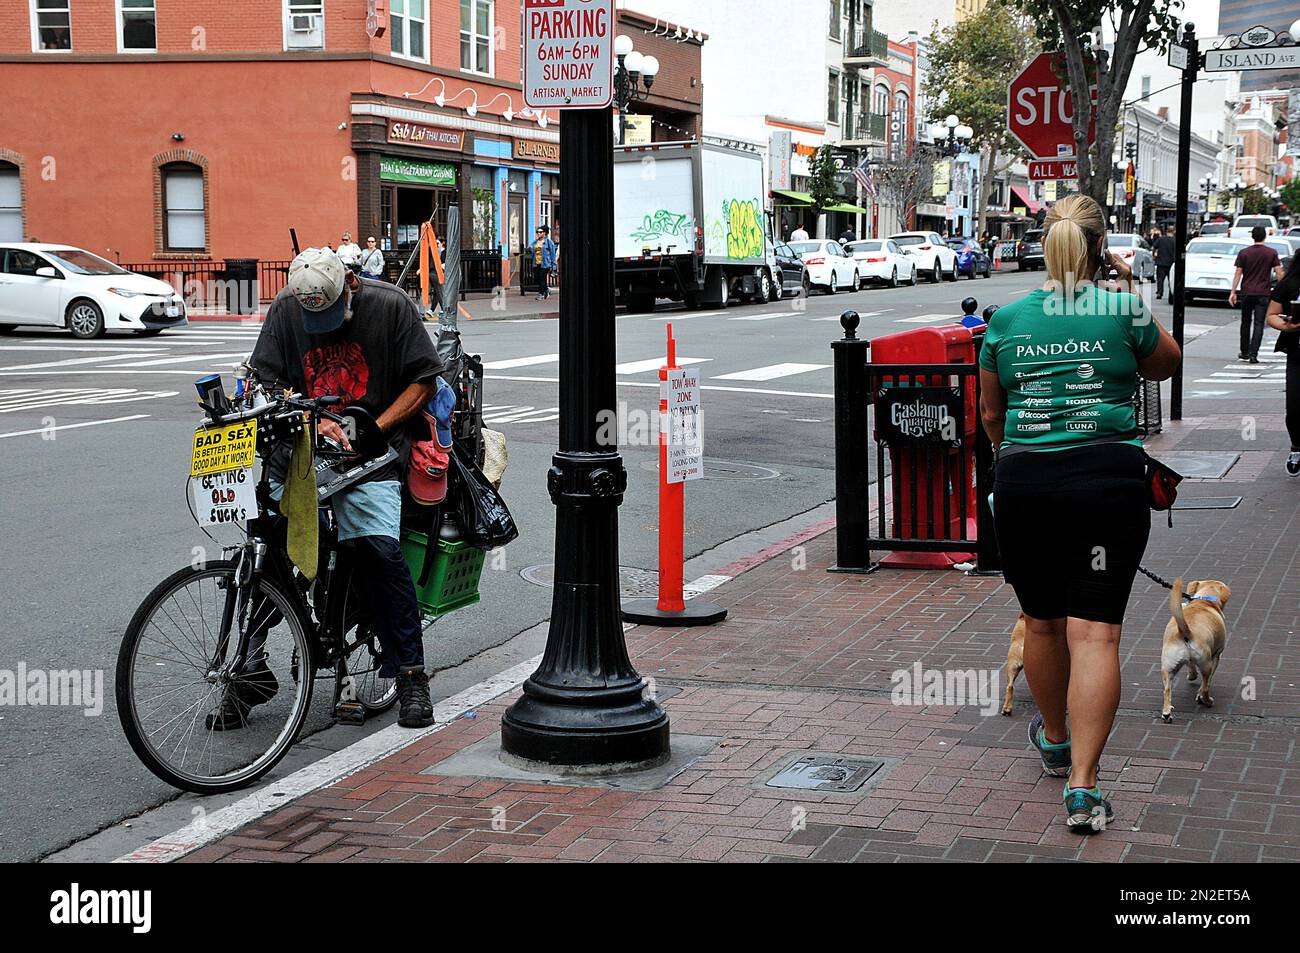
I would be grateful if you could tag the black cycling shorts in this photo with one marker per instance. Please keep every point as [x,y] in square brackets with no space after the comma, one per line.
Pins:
[1072,526]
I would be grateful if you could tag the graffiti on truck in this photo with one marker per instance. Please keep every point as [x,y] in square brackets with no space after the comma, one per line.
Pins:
[744,220]
[663,224]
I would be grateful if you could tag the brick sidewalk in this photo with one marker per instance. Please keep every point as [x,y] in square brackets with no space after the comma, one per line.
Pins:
[803,664]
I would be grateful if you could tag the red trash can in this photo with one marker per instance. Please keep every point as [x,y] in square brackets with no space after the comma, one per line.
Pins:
[930,477]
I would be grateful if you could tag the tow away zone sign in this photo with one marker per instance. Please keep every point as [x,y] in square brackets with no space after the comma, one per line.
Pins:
[568,54]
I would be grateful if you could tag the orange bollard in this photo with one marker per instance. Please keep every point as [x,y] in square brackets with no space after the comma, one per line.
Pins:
[671,607]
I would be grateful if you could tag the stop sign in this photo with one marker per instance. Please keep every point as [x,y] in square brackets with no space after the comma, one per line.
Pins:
[1040,110]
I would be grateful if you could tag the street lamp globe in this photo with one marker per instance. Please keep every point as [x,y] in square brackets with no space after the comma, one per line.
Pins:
[650,67]
[622,45]
[938,132]
[1295,31]
[964,132]
[633,62]
[951,122]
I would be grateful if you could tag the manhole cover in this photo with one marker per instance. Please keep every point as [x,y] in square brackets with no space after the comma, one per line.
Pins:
[724,470]
[631,580]
[824,773]
[1200,464]
[1207,503]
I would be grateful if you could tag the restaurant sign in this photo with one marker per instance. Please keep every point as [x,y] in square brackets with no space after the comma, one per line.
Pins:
[419,134]
[393,169]
[537,149]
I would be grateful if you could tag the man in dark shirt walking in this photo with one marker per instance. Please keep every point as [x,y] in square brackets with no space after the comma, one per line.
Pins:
[1254,267]
[1165,254]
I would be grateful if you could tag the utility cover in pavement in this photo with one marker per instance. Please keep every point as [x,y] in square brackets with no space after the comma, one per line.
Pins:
[1200,464]
[1207,503]
[826,773]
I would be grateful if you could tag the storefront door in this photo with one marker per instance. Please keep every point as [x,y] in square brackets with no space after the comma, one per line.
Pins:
[515,236]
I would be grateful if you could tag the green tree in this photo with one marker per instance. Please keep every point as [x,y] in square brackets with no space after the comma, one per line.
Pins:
[971,64]
[1290,194]
[1100,39]
[824,175]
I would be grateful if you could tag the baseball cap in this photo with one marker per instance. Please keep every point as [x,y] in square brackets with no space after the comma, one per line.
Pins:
[316,279]
[439,410]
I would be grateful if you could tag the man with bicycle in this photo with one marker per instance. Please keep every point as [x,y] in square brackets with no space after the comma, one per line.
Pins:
[333,333]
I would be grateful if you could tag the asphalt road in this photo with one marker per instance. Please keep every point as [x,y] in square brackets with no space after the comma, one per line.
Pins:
[94,445]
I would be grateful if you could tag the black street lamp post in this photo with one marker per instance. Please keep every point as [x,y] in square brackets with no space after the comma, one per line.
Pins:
[633,68]
[586,704]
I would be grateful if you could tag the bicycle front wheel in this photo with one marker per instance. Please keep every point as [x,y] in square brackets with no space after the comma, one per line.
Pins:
[193,720]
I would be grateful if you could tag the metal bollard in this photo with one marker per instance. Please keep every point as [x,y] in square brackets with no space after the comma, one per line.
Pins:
[852,427]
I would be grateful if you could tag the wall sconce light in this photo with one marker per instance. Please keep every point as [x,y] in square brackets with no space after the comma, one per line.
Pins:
[178,137]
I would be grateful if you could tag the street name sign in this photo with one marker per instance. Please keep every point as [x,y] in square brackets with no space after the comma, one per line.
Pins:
[1177,56]
[568,54]
[1263,57]
[1040,111]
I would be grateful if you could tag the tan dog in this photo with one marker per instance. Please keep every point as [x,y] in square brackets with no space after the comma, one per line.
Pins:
[1194,637]
[1015,661]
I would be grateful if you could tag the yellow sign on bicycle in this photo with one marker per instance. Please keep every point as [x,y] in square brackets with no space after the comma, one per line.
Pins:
[218,449]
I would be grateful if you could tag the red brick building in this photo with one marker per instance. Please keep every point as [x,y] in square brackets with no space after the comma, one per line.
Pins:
[177,129]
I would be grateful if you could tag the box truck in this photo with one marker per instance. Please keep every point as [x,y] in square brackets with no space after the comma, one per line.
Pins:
[690,225]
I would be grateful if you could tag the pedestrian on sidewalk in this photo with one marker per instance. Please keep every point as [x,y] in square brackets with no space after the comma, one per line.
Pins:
[1058,370]
[543,261]
[1284,316]
[1165,252]
[349,252]
[372,261]
[1254,267]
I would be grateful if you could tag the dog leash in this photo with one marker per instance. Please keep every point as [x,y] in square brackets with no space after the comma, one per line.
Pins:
[1167,585]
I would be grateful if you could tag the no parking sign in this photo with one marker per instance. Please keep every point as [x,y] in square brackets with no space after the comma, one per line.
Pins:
[568,54]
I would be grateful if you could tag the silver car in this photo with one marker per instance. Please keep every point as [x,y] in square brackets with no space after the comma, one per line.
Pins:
[1136,253]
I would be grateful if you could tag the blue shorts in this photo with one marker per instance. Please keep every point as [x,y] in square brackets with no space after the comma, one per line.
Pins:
[367,509]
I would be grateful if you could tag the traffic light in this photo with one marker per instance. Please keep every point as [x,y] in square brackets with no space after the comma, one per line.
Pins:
[1131,151]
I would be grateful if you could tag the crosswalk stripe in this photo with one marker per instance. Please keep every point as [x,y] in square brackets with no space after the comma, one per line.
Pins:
[183,360]
[762,317]
[520,362]
[771,372]
[86,423]
[861,314]
[927,319]
[69,361]
[640,367]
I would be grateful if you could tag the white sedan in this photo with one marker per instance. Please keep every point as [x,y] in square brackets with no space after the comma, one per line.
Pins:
[931,253]
[66,287]
[1210,263]
[881,260]
[829,266]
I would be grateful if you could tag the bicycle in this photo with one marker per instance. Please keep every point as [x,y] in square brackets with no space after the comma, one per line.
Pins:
[216,671]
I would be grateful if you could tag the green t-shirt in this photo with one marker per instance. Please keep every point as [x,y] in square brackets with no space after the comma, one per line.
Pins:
[1069,367]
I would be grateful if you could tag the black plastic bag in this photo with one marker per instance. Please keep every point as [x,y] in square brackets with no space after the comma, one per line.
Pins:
[485,520]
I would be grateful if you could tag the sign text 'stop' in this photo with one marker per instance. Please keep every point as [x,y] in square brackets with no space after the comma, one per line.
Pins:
[568,54]
[1040,110]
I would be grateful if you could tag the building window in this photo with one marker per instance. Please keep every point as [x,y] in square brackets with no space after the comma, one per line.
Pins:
[51,25]
[136,26]
[184,214]
[1146,86]
[833,96]
[476,36]
[11,203]
[409,27]
[880,100]
[836,14]
[304,24]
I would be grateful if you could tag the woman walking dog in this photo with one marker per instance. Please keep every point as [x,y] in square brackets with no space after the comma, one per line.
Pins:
[1058,371]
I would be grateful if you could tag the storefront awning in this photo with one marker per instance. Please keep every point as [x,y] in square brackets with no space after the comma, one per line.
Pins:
[846,207]
[1022,198]
[791,198]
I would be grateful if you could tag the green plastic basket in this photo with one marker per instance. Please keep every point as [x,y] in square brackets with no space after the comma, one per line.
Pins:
[453,580]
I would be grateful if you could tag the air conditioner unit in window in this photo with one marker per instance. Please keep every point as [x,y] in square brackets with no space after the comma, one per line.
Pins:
[303,22]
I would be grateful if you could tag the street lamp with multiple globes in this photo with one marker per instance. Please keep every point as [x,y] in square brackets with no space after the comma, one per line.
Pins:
[633,68]
[953,136]
[1209,184]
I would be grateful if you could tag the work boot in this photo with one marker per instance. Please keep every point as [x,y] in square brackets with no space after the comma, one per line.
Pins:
[415,708]
[256,686]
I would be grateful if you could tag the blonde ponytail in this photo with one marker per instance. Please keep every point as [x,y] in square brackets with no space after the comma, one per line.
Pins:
[1074,227]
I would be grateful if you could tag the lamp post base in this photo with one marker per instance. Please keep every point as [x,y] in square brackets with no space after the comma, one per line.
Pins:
[548,732]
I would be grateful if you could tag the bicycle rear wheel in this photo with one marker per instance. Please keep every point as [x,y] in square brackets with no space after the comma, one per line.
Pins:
[364,656]
[175,695]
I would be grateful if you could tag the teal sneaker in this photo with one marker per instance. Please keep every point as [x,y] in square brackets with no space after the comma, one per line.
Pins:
[1056,758]
[1086,809]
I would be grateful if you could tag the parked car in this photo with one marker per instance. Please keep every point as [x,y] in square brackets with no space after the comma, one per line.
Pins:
[1213,229]
[1244,224]
[933,258]
[1285,251]
[792,270]
[972,260]
[829,266]
[1136,253]
[1029,250]
[883,261]
[1210,263]
[1293,232]
[67,287]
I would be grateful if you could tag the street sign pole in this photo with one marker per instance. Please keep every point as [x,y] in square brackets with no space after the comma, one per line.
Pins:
[1180,223]
[585,704]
